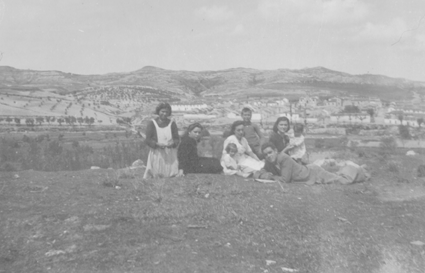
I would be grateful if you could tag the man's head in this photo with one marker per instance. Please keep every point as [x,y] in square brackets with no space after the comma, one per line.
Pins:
[269,151]
[246,114]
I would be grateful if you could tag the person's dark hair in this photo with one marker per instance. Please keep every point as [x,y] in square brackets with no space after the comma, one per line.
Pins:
[279,119]
[163,105]
[231,146]
[191,127]
[234,125]
[245,110]
[267,145]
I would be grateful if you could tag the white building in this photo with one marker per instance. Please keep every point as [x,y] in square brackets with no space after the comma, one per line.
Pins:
[188,107]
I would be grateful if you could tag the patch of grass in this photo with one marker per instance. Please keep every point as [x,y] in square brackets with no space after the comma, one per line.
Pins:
[126,173]
[54,155]
[111,180]
[393,167]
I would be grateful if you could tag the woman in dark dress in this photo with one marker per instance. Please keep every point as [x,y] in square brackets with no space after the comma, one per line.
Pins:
[279,136]
[187,153]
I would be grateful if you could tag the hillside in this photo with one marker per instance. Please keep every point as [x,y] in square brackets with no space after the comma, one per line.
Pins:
[206,83]
[29,94]
[109,220]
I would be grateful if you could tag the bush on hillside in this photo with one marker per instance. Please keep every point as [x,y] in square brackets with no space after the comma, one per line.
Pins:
[55,155]
[387,146]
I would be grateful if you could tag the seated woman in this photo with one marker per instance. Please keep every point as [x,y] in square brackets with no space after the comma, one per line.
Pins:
[162,137]
[245,156]
[281,167]
[230,165]
[187,153]
[280,135]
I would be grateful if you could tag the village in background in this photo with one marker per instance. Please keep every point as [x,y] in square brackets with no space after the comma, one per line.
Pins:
[323,100]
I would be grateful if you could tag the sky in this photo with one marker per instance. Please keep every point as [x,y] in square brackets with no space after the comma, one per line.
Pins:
[384,37]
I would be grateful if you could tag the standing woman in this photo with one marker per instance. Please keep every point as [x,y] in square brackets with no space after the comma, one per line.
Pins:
[189,161]
[279,137]
[245,157]
[162,137]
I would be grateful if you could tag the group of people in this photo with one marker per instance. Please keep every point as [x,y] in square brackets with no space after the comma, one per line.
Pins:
[245,152]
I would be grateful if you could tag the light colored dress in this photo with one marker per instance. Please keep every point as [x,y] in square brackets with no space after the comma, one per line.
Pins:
[298,151]
[230,167]
[162,162]
[242,158]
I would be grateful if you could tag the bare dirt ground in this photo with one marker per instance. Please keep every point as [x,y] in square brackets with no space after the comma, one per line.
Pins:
[107,221]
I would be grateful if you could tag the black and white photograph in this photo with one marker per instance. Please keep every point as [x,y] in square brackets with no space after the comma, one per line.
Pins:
[239,136]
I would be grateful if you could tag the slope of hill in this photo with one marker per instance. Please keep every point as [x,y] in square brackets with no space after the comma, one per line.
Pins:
[222,82]
[104,98]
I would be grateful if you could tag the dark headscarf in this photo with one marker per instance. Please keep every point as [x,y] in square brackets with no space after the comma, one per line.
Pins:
[191,127]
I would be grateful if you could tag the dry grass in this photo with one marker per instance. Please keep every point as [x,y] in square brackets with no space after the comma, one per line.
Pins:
[204,223]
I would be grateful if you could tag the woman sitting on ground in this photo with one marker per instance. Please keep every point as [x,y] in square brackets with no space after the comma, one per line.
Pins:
[162,137]
[245,156]
[189,161]
[281,133]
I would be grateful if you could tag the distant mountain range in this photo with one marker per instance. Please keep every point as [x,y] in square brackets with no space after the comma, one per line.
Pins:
[235,82]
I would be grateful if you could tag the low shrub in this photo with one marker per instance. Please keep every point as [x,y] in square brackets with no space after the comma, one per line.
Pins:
[393,167]
[56,155]
[387,146]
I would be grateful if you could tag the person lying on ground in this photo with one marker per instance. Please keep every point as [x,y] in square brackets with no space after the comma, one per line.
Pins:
[281,167]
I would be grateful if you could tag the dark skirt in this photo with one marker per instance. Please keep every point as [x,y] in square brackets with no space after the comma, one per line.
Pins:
[208,165]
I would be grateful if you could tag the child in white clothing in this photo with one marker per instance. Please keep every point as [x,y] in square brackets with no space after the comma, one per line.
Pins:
[296,148]
[229,162]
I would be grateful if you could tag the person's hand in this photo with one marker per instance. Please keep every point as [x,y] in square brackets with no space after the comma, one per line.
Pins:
[180,173]
[268,176]
[160,145]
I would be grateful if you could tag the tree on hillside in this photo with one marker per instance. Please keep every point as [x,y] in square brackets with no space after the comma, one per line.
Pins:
[9,120]
[17,121]
[400,118]
[60,120]
[67,120]
[351,109]
[404,132]
[87,120]
[80,120]
[420,121]
[371,113]
[39,120]
[91,120]
[29,122]
[72,120]
[47,118]
[52,119]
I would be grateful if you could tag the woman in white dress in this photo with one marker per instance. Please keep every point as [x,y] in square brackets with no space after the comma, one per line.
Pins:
[245,156]
[163,138]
